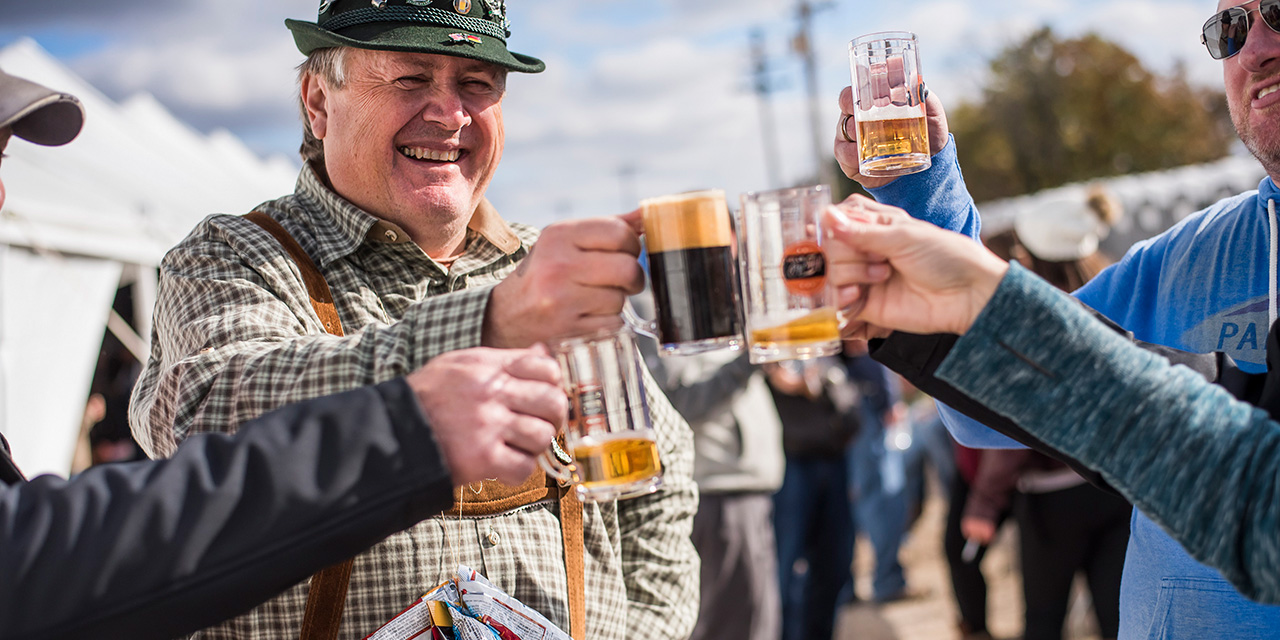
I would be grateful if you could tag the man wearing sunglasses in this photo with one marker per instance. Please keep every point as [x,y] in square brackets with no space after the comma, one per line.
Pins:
[1208,284]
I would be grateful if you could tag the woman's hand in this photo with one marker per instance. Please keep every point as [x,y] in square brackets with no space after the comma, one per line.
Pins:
[893,272]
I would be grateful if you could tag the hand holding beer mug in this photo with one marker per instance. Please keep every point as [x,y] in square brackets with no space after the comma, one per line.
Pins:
[611,450]
[689,239]
[889,110]
[789,303]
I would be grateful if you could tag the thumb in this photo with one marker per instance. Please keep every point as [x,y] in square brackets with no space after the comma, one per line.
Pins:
[635,219]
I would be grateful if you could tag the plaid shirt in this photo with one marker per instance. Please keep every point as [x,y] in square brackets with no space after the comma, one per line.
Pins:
[235,336]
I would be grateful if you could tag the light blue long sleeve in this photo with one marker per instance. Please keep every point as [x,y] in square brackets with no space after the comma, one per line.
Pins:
[1202,465]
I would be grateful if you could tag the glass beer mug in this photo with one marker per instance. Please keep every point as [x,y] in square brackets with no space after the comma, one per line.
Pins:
[889,110]
[610,450]
[693,273]
[790,305]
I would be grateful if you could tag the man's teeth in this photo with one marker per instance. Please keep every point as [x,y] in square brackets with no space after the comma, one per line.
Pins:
[427,154]
[1268,91]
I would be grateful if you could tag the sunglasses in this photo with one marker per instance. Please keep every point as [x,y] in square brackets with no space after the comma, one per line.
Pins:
[1224,34]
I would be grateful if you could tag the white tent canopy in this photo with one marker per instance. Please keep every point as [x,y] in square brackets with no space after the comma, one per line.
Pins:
[1152,202]
[76,220]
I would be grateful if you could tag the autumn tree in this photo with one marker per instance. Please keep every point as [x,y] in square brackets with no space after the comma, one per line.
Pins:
[1057,111]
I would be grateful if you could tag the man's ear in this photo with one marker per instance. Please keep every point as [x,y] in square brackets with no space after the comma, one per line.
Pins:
[315,97]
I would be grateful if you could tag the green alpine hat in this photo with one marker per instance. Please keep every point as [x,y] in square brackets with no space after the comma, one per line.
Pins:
[476,29]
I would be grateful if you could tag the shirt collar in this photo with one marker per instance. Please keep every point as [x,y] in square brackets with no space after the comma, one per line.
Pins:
[341,227]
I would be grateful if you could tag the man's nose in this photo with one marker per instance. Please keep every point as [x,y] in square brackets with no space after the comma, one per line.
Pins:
[446,107]
[1261,47]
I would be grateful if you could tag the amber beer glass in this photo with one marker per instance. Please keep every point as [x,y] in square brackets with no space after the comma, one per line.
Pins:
[889,111]
[787,299]
[692,270]
[610,451]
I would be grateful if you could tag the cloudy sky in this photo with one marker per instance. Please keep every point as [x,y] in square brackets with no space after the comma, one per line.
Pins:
[639,98]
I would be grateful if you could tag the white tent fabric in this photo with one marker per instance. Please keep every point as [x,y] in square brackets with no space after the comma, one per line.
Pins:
[48,350]
[1152,202]
[130,187]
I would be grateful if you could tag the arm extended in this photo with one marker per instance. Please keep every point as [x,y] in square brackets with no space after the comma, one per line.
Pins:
[157,548]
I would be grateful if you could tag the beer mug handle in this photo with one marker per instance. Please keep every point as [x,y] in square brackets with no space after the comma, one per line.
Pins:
[557,463]
[646,328]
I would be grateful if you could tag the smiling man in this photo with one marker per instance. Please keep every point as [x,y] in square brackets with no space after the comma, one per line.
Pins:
[403,132]
[1208,284]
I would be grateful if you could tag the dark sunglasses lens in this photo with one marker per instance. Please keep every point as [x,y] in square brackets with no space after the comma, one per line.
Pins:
[1270,12]
[1224,33]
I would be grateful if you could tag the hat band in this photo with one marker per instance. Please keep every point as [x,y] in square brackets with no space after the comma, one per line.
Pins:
[414,14]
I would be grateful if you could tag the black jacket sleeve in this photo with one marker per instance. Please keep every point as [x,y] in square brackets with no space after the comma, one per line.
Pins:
[159,548]
[917,357]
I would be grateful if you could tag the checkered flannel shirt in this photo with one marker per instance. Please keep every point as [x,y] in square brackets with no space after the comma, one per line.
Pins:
[235,336]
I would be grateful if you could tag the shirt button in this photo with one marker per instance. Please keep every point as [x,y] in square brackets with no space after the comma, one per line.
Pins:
[392,235]
[493,537]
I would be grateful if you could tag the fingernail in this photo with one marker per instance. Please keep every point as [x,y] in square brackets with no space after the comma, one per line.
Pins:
[878,271]
[842,221]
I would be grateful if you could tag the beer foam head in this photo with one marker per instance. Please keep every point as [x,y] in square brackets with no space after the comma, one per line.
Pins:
[891,112]
[686,221]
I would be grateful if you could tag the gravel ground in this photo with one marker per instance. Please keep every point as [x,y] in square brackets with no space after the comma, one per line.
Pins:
[932,616]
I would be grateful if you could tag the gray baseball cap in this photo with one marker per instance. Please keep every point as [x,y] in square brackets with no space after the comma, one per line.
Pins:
[37,113]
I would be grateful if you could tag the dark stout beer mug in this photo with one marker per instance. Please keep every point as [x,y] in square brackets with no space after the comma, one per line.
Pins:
[693,272]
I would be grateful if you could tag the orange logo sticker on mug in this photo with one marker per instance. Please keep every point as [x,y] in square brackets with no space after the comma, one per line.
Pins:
[804,268]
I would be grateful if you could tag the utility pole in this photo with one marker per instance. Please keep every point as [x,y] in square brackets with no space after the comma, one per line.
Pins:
[627,186]
[763,87]
[803,45]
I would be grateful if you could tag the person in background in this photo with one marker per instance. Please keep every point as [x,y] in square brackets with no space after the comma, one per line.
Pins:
[738,464]
[964,557]
[160,548]
[882,502]
[1064,524]
[820,411]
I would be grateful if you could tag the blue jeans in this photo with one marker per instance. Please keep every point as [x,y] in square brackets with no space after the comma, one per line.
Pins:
[812,522]
[879,486]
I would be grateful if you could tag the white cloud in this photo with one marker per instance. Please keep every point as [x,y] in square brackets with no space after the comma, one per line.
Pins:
[676,110]
[659,85]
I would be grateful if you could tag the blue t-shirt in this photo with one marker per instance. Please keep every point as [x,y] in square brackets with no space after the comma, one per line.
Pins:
[1202,286]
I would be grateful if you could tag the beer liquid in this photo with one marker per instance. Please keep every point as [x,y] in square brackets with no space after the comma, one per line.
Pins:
[893,143]
[622,461]
[693,290]
[819,326]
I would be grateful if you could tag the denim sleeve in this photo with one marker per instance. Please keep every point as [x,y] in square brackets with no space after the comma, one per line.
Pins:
[937,194]
[1202,465]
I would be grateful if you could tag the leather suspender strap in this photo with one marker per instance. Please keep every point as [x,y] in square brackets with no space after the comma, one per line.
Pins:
[574,564]
[317,288]
[327,593]
[326,598]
